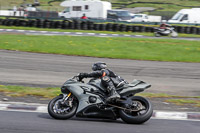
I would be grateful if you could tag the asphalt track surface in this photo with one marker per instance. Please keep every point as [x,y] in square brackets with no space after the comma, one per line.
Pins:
[26,122]
[33,32]
[34,69]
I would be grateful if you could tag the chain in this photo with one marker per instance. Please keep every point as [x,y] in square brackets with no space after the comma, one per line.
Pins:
[131,110]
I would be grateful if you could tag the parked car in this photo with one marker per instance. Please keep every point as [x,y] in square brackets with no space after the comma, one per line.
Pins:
[145,18]
[186,16]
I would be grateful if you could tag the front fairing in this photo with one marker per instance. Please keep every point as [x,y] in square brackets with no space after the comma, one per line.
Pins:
[70,81]
[82,91]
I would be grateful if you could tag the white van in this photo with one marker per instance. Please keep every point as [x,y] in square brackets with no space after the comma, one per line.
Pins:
[186,16]
[91,8]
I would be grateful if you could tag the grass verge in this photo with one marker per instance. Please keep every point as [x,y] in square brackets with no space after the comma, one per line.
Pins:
[164,95]
[70,30]
[184,102]
[123,48]
[22,91]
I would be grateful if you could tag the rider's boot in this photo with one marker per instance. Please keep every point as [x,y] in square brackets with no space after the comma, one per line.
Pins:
[113,94]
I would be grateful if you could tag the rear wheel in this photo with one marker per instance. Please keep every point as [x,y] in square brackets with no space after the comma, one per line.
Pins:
[138,112]
[59,110]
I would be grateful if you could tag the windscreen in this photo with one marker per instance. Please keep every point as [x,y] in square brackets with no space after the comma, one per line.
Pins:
[177,16]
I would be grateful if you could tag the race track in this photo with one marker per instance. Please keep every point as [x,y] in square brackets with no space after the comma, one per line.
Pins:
[24,122]
[34,69]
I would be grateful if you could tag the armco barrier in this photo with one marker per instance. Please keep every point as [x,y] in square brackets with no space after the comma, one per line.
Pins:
[89,25]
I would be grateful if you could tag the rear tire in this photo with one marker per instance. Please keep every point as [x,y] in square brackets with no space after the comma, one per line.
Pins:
[68,111]
[140,116]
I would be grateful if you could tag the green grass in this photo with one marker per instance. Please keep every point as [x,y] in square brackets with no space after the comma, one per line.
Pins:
[49,93]
[124,48]
[175,6]
[184,102]
[164,95]
[70,30]
[8,4]
[178,100]
[19,91]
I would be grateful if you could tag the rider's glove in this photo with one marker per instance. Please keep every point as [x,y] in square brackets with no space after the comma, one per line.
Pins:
[82,75]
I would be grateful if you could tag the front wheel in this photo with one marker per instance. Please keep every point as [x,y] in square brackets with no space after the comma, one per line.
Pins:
[138,112]
[63,110]
[174,34]
[156,34]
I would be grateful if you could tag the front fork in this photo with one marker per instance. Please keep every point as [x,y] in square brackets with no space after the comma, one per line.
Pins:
[65,100]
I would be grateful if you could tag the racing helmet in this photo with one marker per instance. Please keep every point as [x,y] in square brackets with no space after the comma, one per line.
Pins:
[98,66]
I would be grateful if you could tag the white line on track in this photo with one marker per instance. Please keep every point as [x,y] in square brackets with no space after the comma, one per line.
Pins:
[127,35]
[9,29]
[32,31]
[91,33]
[138,35]
[103,34]
[79,33]
[67,32]
[55,32]
[20,30]
[115,34]
[43,31]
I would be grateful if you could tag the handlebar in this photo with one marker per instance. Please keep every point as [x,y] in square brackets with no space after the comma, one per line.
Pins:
[78,78]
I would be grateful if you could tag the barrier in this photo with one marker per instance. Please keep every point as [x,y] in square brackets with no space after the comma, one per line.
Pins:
[89,25]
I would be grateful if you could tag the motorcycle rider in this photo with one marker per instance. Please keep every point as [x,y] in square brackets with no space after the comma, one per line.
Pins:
[108,78]
[164,26]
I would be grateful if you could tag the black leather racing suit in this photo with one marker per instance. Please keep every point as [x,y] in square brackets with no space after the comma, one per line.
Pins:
[108,78]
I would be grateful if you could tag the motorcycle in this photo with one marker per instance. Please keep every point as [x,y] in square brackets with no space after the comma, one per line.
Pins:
[165,32]
[88,100]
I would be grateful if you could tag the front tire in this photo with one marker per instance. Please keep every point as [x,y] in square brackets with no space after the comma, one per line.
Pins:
[156,34]
[58,111]
[174,34]
[137,117]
